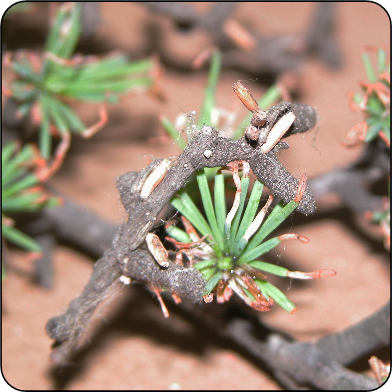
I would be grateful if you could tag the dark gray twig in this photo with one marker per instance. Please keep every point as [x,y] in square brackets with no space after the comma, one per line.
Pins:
[77,225]
[320,34]
[44,266]
[297,364]
[300,361]
[364,337]
[125,259]
[91,18]
[186,16]
[353,182]
[346,183]
[271,55]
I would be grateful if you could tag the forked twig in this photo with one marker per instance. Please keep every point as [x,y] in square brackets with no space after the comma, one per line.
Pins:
[127,259]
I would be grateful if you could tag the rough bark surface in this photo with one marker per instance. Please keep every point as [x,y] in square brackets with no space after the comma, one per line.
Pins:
[127,258]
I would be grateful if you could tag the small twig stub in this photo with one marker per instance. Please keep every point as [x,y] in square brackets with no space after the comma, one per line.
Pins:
[157,249]
[155,178]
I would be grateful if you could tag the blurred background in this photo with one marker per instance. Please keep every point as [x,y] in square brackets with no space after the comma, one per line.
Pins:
[136,348]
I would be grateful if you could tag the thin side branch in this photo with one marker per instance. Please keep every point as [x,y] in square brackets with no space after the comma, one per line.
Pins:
[364,337]
[300,361]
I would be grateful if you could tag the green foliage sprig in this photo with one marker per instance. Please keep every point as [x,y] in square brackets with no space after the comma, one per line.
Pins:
[46,83]
[208,113]
[227,247]
[21,191]
[374,103]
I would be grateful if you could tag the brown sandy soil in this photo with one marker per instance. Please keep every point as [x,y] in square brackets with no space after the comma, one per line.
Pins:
[136,348]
